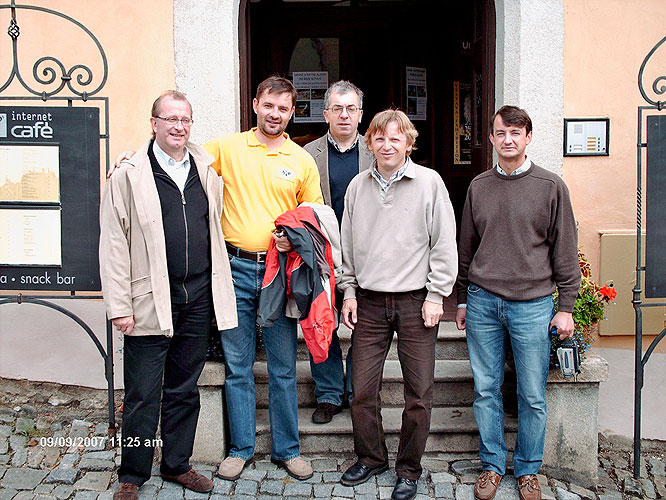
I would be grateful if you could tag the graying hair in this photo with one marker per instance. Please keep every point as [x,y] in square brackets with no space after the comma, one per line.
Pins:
[343,87]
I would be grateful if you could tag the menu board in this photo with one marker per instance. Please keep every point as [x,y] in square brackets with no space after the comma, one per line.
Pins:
[49,198]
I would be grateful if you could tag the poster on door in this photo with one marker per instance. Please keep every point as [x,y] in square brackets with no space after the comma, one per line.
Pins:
[417,96]
[462,123]
[311,86]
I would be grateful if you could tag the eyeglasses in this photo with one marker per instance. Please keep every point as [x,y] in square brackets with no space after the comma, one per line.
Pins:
[172,120]
[351,109]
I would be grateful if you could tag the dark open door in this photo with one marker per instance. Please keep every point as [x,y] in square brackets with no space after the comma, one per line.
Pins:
[373,44]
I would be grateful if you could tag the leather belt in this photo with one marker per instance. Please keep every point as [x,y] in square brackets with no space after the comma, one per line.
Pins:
[245,254]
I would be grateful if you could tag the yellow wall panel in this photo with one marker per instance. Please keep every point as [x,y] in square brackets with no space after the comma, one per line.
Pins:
[618,264]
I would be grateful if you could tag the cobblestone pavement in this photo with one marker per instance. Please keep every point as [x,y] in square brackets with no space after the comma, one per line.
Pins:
[55,455]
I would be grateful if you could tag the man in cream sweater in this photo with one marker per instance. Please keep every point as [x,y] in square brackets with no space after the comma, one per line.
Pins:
[399,262]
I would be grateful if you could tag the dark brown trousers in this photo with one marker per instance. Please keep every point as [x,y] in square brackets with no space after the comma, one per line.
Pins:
[379,316]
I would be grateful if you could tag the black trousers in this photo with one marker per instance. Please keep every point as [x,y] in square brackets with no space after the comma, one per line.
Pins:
[157,368]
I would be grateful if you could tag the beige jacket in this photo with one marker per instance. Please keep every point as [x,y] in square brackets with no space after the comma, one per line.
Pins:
[132,251]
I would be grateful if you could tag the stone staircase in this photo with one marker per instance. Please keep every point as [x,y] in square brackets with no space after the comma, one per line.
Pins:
[453,430]
[571,433]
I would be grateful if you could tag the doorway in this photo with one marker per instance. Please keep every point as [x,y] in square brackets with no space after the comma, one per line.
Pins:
[434,60]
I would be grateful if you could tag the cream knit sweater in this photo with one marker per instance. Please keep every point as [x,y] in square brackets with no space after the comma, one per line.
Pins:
[403,243]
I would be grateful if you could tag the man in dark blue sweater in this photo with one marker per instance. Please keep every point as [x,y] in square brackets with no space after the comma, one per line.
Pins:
[340,155]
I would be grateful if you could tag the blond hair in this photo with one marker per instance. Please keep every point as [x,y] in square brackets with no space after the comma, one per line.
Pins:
[381,121]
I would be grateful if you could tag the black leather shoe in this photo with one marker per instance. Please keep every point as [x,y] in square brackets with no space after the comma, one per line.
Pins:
[405,489]
[359,473]
[324,413]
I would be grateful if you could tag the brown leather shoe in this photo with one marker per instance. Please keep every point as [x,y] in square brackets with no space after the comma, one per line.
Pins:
[324,413]
[192,480]
[528,487]
[486,485]
[126,491]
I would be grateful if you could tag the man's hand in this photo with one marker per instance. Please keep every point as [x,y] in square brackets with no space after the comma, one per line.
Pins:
[461,315]
[125,324]
[564,323]
[349,313]
[282,243]
[125,155]
[431,312]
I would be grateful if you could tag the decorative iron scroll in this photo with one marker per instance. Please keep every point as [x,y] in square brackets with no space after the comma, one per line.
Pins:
[46,70]
[658,85]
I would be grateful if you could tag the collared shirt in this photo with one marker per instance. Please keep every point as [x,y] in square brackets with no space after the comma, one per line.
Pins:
[384,184]
[177,170]
[335,144]
[260,185]
[523,168]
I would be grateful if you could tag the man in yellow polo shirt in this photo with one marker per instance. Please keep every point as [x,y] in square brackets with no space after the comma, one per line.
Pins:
[265,174]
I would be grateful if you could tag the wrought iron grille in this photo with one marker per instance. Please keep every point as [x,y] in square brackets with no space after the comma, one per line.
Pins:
[54,81]
[652,94]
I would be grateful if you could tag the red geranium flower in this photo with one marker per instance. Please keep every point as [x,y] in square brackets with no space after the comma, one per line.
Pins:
[608,292]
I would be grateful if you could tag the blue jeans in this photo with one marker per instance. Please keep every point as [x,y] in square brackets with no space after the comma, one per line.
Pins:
[239,345]
[328,375]
[490,321]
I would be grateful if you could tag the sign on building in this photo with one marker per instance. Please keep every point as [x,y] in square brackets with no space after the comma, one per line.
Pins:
[49,198]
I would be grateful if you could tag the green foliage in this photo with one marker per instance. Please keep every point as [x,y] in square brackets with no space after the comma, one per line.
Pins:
[589,306]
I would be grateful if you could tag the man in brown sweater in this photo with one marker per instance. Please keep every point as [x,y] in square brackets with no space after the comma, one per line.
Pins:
[399,262]
[518,244]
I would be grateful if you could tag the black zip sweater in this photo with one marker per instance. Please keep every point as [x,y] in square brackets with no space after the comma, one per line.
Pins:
[186,234]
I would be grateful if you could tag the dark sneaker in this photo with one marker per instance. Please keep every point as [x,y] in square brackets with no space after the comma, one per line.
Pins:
[324,413]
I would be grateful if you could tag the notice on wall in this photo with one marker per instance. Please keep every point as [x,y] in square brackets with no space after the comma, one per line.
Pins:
[417,94]
[29,173]
[30,237]
[311,86]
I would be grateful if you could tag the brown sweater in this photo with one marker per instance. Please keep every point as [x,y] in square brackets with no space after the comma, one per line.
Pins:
[518,237]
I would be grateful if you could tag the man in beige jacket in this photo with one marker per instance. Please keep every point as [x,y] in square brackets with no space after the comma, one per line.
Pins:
[165,276]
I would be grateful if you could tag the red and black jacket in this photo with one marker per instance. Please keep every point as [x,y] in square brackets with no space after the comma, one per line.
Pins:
[306,274]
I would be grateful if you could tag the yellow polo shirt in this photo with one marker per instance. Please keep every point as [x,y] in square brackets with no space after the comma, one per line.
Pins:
[260,185]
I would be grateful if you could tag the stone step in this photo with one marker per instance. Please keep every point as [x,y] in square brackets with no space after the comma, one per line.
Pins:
[453,384]
[451,343]
[452,430]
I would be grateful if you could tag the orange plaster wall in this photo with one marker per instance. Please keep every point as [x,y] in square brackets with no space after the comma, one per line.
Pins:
[137,38]
[605,42]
